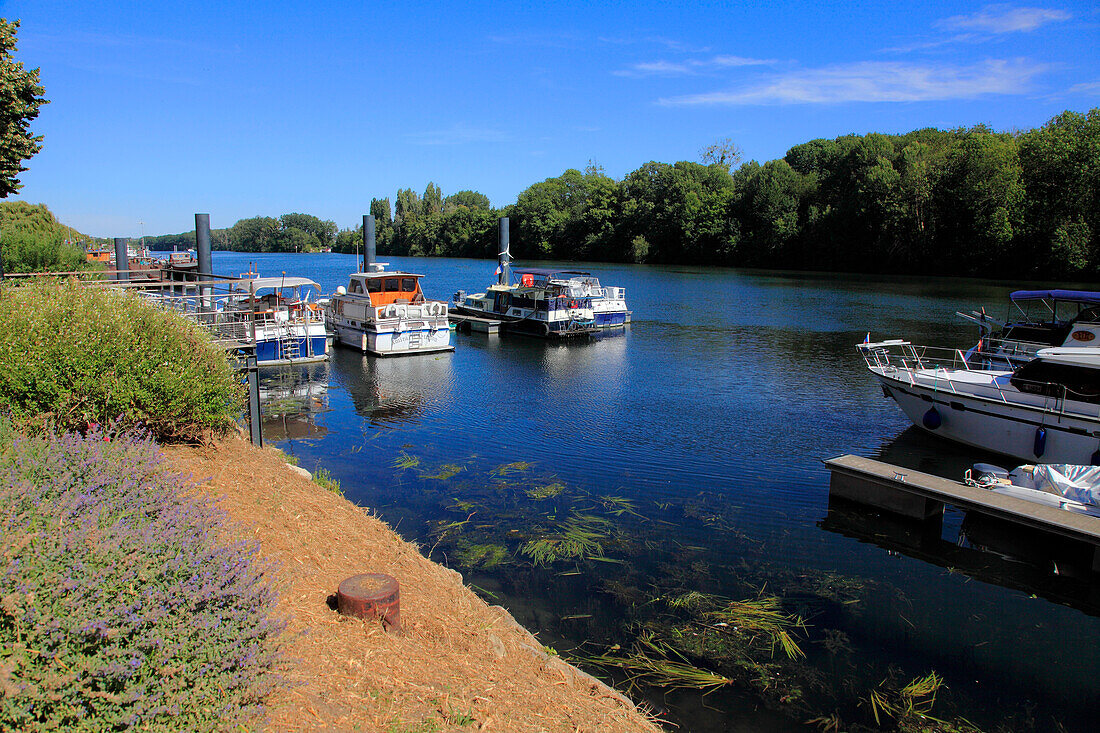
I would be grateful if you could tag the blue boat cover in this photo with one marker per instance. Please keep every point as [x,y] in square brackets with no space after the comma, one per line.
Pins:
[1077,296]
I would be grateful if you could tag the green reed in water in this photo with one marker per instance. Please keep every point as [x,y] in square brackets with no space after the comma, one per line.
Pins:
[762,615]
[650,662]
[579,537]
[404,461]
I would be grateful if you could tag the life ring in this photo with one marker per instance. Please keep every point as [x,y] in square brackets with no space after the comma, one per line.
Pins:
[574,304]
[402,311]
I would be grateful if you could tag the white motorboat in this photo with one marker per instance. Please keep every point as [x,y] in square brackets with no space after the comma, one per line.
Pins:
[1048,408]
[1063,486]
[1037,319]
[386,313]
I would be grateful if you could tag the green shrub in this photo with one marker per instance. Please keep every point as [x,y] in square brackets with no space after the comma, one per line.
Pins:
[124,603]
[85,355]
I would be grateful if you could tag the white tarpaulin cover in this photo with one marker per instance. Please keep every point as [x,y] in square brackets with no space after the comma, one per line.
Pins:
[1077,483]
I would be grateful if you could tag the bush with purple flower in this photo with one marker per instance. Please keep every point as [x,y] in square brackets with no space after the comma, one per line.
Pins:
[124,601]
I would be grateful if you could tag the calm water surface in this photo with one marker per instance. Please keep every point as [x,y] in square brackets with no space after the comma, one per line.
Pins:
[689,447]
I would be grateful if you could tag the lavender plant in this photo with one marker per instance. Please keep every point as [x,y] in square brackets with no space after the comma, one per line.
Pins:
[123,604]
[84,355]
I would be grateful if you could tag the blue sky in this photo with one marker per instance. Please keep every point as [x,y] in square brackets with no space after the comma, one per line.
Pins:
[162,109]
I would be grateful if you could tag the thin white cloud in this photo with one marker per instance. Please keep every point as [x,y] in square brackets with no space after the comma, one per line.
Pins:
[875,82]
[458,134]
[998,19]
[1091,88]
[690,66]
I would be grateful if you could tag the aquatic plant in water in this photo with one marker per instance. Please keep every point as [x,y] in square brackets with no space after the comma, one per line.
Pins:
[446,471]
[762,615]
[650,661]
[508,469]
[405,461]
[546,491]
[578,538]
[469,555]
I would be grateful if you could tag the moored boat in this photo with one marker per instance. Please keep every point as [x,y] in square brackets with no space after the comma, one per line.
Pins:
[1037,319]
[1048,408]
[1069,487]
[384,312]
[289,325]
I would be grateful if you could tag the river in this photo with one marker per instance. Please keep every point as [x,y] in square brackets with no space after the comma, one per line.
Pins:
[589,487]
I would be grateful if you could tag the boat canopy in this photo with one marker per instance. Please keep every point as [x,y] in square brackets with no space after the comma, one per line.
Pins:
[1076,296]
[385,273]
[545,272]
[260,283]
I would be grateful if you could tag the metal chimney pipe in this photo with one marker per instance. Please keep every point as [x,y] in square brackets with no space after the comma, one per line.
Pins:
[122,259]
[202,246]
[504,257]
[368,242]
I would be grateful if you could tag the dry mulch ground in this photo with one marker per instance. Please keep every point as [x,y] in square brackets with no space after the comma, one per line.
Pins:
[459,664]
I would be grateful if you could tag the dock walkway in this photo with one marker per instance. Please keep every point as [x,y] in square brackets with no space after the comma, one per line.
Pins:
[922,496]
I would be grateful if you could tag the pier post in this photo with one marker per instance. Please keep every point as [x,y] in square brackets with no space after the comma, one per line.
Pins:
[202,248]
[504,256]
[368,242]
[255,425]
[122,258]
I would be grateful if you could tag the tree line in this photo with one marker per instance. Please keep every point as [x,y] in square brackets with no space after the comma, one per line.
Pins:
[970,201]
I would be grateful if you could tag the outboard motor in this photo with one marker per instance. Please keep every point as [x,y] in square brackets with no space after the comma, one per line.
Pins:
[986,474]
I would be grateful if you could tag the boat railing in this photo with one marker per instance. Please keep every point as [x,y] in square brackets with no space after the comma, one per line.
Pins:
[905,356]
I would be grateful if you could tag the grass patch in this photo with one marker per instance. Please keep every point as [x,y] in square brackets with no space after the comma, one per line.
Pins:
[324,478]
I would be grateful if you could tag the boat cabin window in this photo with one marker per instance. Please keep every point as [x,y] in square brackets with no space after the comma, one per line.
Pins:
[408,284]
[374,285]
[355,286]
[393,285]
[1049,379]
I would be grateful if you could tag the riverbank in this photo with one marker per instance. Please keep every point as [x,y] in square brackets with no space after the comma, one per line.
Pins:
[460,664]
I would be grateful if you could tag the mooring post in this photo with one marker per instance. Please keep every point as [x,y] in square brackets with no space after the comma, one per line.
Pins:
[255,426]
[122,258]
[504,257]
[369,255]
[202,247]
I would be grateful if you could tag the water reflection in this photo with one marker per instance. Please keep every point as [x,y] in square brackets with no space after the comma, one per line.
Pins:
[291,400]
[983,548]
[394,391]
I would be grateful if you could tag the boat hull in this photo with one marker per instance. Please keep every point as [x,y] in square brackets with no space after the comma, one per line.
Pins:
[297,349]
[998,426]
[395,339]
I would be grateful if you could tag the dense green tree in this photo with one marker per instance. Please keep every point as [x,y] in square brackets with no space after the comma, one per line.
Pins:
[258,234]
[20,99]
[324,232]
[33,240]
[469,199]
[1061,174]
[980,205]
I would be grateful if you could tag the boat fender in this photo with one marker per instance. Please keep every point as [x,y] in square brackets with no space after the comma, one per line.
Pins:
[1040,446]
[932,419]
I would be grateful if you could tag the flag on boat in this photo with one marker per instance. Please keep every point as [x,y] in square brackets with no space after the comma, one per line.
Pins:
[867,338]
[498,270]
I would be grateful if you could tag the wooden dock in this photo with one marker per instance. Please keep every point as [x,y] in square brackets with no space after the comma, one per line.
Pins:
[475,324]
[922,496]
